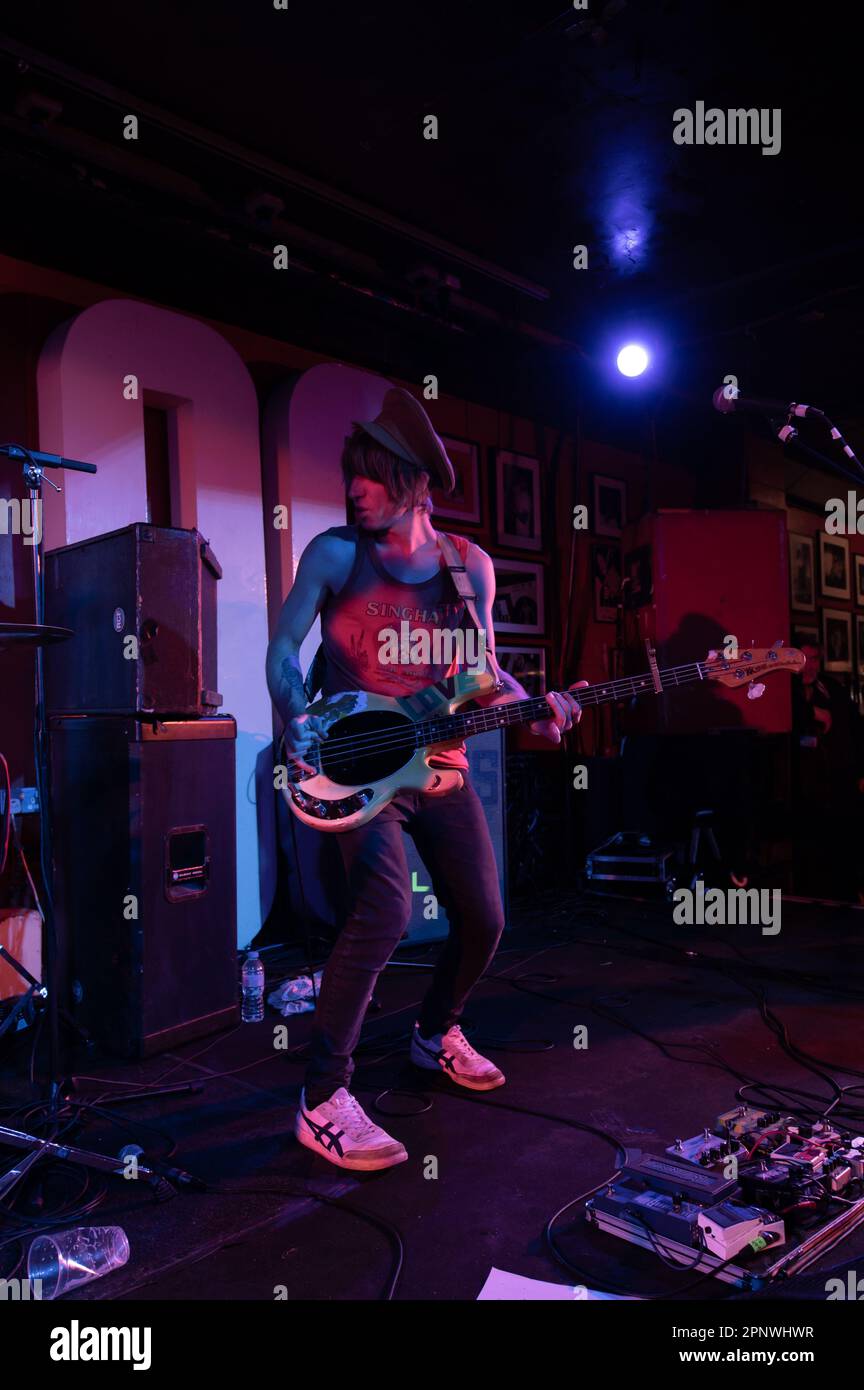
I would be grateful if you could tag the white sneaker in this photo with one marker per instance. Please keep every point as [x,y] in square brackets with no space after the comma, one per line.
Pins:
[452,1053]
[340,1130]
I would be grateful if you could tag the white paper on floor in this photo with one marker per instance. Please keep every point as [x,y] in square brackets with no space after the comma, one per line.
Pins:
[501,1285]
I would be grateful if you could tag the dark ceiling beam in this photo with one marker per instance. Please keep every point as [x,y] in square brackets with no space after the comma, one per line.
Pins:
[125,102]
[766,272]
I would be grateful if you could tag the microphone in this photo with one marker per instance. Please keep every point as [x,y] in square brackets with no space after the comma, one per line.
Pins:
[728,404]
[15,451]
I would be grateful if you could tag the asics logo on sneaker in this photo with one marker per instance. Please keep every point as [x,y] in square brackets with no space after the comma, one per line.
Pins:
[325,1135]
[438,1055]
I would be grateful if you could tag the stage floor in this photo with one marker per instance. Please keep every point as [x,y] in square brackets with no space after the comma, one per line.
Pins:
[660,1025]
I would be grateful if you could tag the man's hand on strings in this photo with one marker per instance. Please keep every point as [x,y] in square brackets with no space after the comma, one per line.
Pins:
[303,735]
[566,711]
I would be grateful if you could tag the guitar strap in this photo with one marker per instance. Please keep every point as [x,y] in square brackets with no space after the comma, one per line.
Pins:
[465,590]
[459,575]
[315,675]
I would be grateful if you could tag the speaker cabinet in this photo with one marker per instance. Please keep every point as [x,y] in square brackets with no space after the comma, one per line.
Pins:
[145,878]
[142,604]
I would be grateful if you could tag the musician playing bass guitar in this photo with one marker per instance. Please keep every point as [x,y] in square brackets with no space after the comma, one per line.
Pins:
[390,569]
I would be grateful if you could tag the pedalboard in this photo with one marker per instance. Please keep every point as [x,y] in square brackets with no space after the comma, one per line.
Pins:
[755,1197]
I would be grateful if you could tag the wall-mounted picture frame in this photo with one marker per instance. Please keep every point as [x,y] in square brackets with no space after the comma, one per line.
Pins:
[527,665]
[836,639]
[464,503]
[610,506]
[802,572]
[834,566]
[805,635]
[606,581]
[858,564]
[518,605]
[519,521]
[638,578]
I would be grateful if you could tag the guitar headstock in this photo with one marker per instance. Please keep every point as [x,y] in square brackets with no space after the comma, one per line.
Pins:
[751,664]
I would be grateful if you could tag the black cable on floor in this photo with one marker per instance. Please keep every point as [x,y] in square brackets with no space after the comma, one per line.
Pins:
[795,1054]
[558,1254]
[767,1015]
[341,1205]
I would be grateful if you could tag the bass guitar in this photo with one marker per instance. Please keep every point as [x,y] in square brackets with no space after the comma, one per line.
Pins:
[377,746]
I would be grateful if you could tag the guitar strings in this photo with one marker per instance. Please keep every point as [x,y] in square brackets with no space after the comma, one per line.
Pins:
[338,748]
[588,695]
[342,746]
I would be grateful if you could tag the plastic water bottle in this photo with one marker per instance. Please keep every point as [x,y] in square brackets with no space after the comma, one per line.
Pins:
[252,984]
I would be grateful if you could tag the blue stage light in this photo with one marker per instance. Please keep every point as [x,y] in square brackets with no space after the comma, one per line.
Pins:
[632,360]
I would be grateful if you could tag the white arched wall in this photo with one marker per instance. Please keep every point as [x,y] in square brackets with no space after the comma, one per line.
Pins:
[305,424]
[216,487]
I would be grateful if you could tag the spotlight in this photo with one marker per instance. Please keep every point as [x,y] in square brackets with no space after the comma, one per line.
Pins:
[632,360]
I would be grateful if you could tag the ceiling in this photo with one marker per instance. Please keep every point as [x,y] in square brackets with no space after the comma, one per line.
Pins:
[303,126]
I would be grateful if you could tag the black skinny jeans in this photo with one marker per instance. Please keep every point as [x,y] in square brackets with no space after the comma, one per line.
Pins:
[451,834]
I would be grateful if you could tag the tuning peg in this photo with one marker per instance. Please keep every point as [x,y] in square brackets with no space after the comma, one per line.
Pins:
[755,690]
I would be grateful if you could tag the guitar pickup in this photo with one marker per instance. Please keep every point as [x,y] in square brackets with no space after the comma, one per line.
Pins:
[332,810]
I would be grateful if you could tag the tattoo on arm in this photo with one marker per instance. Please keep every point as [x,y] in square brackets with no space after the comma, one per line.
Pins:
[285,681]
[290,695]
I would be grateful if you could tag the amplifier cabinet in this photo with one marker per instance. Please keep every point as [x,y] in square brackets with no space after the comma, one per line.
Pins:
[142,604]
[145,877]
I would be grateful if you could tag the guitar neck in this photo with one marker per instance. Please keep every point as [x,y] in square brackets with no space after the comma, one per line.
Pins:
[480,721]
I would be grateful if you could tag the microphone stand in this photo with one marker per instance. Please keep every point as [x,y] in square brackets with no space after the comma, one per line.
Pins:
[788,437]
[795,448]
[34,1145]
[34,467]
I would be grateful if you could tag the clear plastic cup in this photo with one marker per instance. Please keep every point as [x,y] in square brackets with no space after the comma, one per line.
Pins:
[66,1259]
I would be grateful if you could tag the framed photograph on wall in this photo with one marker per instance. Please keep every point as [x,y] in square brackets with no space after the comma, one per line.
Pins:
[836,639]
[527,665]
[803,635]
[518,605]
[638,577]
[858,562]
[606,581]
[517,493]
[802,576]
[463,503]
[834,565]
[610,506]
